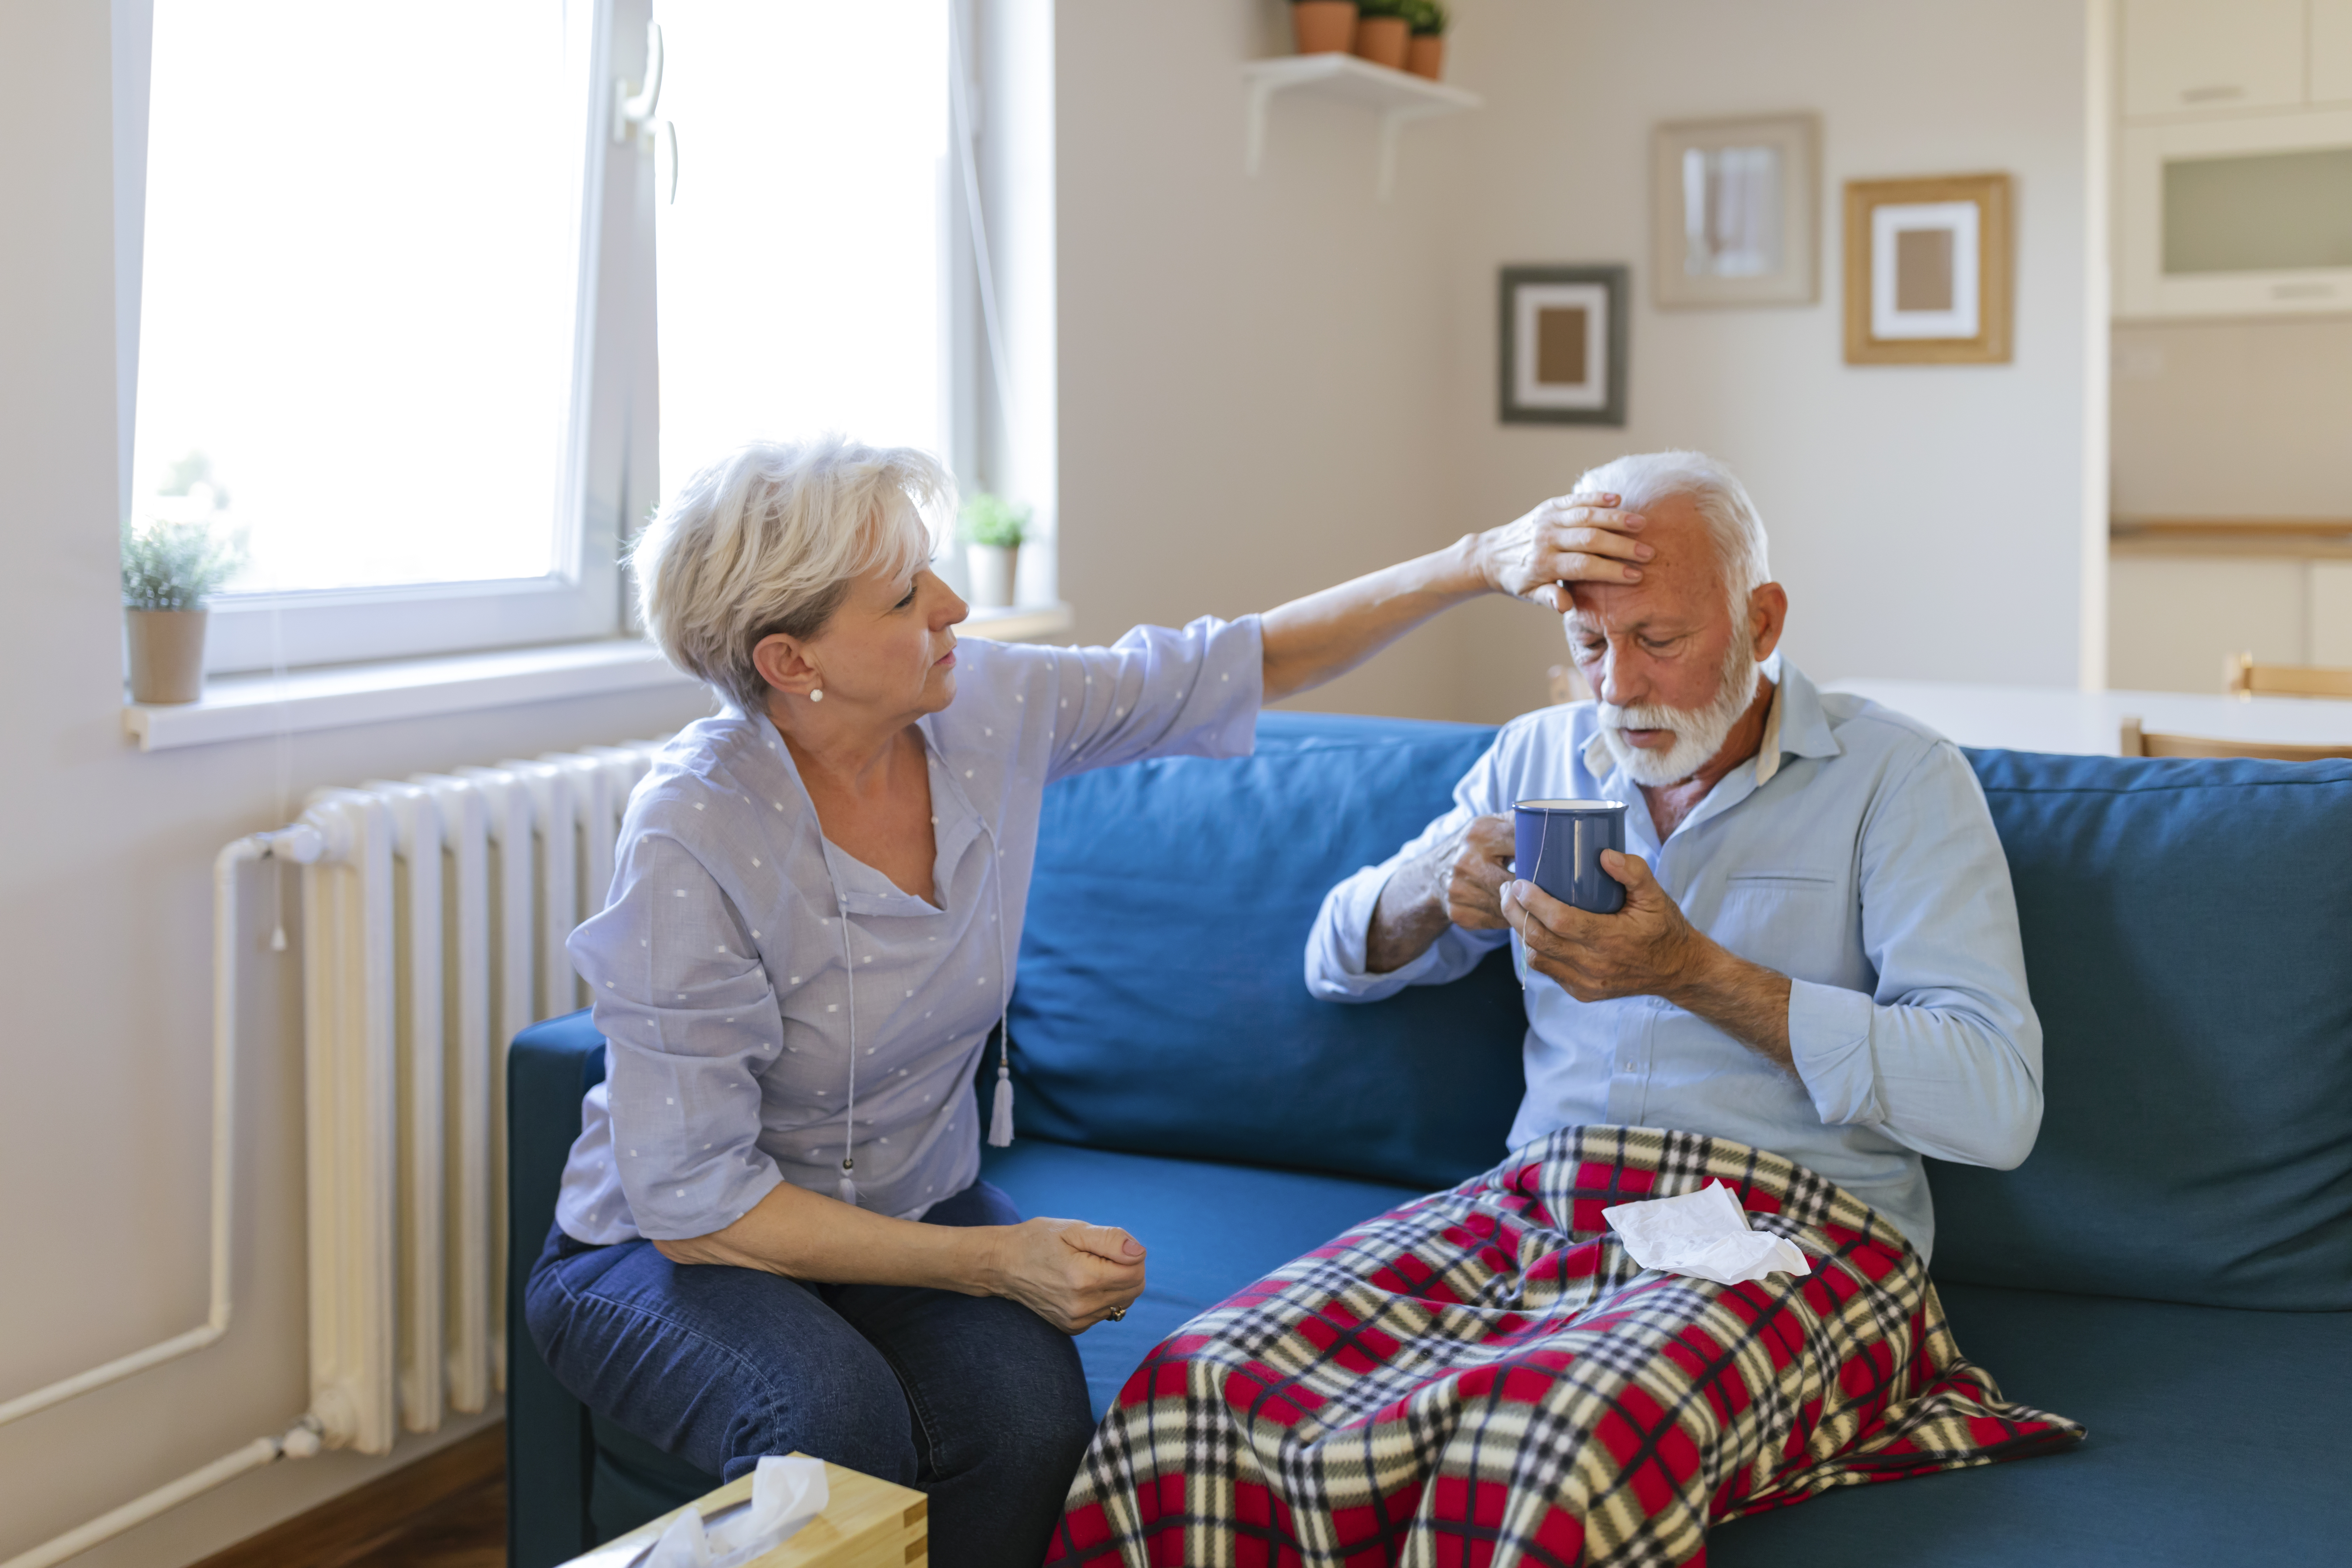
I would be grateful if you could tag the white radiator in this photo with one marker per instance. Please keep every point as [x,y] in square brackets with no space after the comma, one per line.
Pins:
[434,917]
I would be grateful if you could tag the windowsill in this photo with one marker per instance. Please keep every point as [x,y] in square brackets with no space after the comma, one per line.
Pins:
[249,707]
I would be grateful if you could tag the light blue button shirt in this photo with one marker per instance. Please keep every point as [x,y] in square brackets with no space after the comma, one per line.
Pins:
[1854,854]
[738,942]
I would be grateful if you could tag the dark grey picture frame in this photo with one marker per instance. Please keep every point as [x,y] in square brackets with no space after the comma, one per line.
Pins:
[1616,279]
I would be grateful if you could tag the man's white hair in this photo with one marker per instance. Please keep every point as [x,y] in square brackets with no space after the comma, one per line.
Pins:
[1644,478]
[767,538]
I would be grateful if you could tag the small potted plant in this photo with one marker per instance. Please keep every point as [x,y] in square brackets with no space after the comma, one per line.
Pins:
[1425,54]
[1382,34]
[169,569]
[1323,26]
[994,528]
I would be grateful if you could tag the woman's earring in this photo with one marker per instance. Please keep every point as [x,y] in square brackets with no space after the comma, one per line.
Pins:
[816,694]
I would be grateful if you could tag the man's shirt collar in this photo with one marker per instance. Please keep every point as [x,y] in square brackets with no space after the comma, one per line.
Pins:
[1794,725]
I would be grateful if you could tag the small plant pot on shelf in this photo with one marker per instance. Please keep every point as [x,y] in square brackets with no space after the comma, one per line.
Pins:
[1323,26]
[1383,40]
[167,655]
[1426,55]
[993,570]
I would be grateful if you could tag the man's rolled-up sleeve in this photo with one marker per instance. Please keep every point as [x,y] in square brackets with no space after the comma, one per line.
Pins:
[1334,946]
[1944,1055]
[690,1021]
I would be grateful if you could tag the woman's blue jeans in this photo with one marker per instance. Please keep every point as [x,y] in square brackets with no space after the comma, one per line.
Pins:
[975,1400]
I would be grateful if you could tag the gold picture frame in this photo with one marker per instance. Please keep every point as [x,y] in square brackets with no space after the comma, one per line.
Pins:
[1928,266]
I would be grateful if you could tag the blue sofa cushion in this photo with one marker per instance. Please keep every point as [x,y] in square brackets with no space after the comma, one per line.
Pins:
[2185,930]
[1162,1008]
[1209,1230]
[2217,1436]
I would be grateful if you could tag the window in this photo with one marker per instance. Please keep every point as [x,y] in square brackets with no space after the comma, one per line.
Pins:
[408,305]
[802,264]
[371,243]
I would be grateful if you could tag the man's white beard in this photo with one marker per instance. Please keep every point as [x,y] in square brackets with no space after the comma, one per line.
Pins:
[1698,732]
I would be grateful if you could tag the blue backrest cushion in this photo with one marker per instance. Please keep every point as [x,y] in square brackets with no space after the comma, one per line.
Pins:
[1162,1006]
[2189,940]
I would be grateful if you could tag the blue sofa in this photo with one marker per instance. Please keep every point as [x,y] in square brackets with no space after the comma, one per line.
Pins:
[2173,1266]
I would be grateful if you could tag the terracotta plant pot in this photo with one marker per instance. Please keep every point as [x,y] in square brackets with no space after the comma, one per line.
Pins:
[1427,56]
[1383,40]
[994,571]
[1323,26]
[167,655]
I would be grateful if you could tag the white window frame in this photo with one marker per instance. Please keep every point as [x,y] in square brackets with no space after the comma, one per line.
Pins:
[611,479]
[613,462]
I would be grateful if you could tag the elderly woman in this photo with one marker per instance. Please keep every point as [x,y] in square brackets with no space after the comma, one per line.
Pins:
[773,1233]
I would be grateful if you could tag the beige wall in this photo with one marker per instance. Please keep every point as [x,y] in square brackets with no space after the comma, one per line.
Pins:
[105,917]
[2244,419]
[1253,373]
[1267,383]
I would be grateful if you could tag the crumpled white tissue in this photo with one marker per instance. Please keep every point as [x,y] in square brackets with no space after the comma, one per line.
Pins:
[786,1493]
[1704,1234]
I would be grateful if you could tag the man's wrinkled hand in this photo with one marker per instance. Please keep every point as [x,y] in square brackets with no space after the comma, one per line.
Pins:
[1580,538]
[1646,949]
[1477,865]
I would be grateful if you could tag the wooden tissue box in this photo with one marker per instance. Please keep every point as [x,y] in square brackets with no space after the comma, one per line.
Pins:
[867,1523]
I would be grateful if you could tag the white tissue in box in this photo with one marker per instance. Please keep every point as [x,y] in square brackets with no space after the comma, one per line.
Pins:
[786,1495]
[1704,1234]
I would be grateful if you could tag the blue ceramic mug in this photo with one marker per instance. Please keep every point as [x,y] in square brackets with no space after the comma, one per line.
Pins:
[1557,845]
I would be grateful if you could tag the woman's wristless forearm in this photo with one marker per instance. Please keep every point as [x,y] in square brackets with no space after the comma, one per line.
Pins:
[1314,639]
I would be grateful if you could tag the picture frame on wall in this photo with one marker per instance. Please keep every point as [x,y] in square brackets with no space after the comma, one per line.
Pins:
[1929,270]
[1563,344]
[1735,211]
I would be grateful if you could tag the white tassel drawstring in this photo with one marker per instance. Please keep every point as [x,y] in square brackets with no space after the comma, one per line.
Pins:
[847,1188]
[1000,1116]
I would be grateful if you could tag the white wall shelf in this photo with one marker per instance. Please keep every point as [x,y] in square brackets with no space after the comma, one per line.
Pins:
[1397,97]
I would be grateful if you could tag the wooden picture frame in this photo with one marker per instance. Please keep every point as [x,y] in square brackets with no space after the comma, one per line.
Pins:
[1562,336]
[1735,212]
[1929,270]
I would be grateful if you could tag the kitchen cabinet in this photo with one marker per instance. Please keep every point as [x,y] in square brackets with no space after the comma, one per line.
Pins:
[2201,56]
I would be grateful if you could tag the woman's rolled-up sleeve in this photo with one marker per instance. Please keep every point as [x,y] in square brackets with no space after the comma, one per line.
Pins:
[690,1021]
[1156,692]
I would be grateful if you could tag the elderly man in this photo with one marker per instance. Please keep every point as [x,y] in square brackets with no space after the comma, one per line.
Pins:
[1818,952]
[1815,978]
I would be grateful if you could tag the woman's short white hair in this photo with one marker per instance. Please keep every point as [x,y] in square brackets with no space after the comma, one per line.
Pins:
[1644,478]
[767,538]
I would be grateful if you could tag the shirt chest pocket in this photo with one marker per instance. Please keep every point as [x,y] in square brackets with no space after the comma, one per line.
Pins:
[1797,922]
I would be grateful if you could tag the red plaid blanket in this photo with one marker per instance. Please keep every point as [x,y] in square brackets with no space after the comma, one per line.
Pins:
[1482,1376]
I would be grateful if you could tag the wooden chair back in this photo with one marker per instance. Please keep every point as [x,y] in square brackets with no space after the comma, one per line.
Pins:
[2241,677]
[2144,743]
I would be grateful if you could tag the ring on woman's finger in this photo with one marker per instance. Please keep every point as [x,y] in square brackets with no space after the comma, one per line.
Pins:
[1116,1313]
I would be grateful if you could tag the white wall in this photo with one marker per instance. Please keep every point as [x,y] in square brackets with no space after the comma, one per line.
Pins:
[1253,373]
[1927,519]
[105,919]
[1266,385]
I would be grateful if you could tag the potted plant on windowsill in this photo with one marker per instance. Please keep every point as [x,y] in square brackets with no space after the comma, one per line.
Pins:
[1323,26]
[1426,53]
[169,569]
[1383,34]
[994,530]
